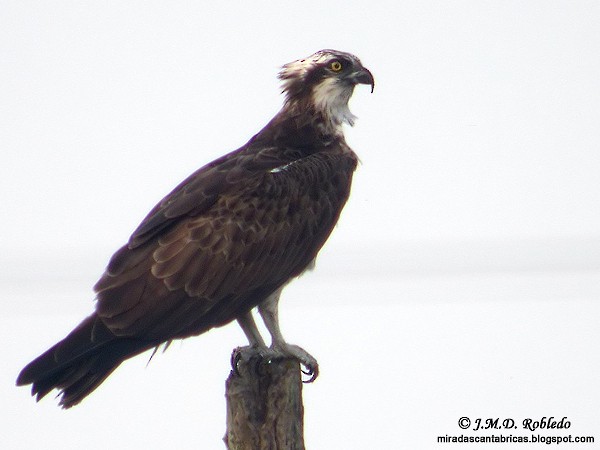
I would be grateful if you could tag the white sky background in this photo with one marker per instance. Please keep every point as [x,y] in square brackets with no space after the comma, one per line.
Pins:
[479,151]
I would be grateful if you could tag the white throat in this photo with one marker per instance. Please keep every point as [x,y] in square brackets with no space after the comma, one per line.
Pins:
[330,97]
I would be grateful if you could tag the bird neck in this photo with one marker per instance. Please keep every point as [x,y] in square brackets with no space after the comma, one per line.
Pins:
[300,125]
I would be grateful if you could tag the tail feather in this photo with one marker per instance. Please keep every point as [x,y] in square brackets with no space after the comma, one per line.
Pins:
[79,363]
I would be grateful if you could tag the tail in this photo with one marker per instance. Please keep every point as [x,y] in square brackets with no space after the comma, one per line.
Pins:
[79,363]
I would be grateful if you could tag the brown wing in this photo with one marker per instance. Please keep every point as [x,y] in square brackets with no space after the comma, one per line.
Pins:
[255,224]
[200,190]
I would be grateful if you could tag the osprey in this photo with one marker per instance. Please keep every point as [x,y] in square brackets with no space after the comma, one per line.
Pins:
[225,240]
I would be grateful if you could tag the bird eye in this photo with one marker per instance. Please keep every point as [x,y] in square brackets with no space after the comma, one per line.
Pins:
[336,66]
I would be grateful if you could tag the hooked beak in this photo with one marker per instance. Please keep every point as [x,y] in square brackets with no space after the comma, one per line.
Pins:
[363,76]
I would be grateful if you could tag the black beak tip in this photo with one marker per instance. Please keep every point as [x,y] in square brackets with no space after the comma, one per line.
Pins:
[366,77]
[371,80]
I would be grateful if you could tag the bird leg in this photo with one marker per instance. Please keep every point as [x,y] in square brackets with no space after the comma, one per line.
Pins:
[269,312]
[250,330]
[257,344]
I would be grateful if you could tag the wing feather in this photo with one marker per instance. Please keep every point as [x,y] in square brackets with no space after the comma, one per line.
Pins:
[198,192]
[215,262]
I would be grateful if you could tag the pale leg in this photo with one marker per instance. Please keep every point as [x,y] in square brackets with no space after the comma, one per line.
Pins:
[250,330]
[268,310]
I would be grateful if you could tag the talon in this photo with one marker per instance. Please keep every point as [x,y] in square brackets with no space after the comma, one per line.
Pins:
[312,372]
[258,364]
[236,355]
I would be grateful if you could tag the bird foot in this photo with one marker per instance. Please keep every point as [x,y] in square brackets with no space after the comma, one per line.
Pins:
[275,352]
[302,356]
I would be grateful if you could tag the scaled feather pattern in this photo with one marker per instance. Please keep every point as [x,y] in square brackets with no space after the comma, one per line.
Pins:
[225,240]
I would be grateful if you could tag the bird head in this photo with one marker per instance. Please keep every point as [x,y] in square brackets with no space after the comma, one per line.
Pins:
[324,83]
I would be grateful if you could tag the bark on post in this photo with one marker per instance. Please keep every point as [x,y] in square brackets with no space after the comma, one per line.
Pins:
[264,404]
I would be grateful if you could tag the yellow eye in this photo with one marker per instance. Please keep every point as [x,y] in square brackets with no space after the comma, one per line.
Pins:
[336,66]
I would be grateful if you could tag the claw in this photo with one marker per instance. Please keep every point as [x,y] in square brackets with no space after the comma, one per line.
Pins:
[309,365]
[236,355]
[312,372]
[254,358]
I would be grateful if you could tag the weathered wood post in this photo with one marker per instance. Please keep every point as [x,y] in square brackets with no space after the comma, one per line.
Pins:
[264,404]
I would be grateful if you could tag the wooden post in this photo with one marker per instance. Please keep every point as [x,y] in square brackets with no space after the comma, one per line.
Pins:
[264,404]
